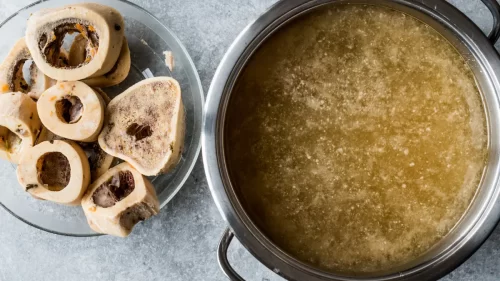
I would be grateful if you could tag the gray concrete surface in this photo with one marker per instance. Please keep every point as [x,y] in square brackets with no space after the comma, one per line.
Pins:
[180,243]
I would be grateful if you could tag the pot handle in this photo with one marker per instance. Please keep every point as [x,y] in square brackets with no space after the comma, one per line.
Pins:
[494,8]
[226,239]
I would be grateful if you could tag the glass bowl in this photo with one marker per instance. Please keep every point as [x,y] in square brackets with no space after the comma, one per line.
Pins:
[148,38]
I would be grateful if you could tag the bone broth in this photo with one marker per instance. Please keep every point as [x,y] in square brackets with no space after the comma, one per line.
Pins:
[356,137]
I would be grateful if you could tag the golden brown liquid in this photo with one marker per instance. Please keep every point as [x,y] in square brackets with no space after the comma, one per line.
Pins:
[357,138]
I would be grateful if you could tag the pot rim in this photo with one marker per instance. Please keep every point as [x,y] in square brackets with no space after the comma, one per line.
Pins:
[484,215]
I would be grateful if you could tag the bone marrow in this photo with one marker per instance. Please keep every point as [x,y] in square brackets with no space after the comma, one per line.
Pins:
[51,46]
[19,125]
[114,190]
[145,126]
[56,171]
[96,25]
[72,110]
[118,200]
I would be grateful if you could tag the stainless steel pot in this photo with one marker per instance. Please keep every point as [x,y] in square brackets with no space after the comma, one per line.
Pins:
[456,247]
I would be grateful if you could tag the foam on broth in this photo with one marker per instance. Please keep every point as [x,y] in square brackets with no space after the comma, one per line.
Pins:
[357,138]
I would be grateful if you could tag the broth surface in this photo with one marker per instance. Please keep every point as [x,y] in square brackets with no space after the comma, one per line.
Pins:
[356,137]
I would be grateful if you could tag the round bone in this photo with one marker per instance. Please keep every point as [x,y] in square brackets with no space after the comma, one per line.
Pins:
[103,26]
[145,126]
[19,125]
[118,200]
[11,73]
[66,178]
[72,110]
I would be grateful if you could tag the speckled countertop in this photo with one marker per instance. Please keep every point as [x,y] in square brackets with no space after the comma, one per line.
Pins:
[180,243]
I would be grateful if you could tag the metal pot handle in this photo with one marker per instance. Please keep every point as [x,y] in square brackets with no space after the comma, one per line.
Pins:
[495,12]
[222,256]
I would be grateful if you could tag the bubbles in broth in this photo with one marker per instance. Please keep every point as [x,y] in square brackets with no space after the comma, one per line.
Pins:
[356,137]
